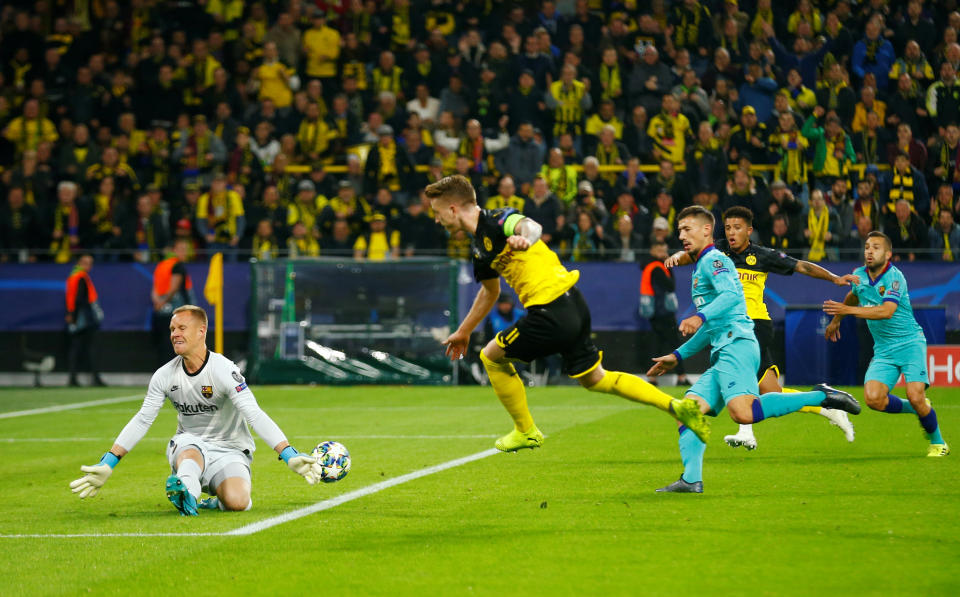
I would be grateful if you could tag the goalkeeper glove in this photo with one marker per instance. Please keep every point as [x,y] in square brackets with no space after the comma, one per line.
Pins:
[302,464]
[89,485]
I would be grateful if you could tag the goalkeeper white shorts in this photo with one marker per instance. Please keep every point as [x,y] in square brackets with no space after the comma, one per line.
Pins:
[219,462]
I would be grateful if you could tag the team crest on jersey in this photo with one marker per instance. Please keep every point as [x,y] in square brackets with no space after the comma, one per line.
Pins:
[882,290]
[751,259]
[487,243]
[206,391]
[695,282]
[237,377]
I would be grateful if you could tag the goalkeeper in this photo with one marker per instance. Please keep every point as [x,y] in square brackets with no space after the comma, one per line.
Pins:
[212,448]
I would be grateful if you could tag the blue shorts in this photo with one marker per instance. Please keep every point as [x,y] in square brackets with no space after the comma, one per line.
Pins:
[909,359]
[733,373]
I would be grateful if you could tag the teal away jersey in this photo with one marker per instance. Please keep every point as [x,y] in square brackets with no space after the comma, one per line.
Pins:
[718,296]
[890,286]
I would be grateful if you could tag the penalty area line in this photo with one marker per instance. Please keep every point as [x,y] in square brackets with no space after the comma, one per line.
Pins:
[69,406]
[262,525]
[273,521]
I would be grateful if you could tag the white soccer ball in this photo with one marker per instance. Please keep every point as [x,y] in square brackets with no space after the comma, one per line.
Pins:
[333,461]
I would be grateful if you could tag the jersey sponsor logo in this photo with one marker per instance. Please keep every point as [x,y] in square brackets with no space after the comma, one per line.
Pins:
[206,391]
[194,409]
[241,388]
[748,276]
[751,259]
[237,377]
[487,243]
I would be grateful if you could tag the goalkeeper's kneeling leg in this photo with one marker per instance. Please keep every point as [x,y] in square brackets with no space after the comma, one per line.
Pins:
[234,494]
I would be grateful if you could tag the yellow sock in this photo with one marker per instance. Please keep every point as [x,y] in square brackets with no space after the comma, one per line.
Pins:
[806,409]
[509,389]
[632,388]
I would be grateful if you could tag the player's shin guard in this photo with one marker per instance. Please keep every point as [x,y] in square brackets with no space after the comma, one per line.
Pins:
[777,404]
[189,473]
[897,406]
[931,427]
[509,389]
[632,388]
[691,453]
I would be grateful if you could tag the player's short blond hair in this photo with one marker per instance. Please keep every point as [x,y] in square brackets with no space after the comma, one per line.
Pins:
[455,189]
[194,310]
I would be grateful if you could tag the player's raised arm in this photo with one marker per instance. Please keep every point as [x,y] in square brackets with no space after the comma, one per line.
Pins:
[815,271]
[678,258]
[483,303]
[96,475]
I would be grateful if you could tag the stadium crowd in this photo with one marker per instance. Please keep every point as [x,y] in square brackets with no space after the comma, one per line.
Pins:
[303,128]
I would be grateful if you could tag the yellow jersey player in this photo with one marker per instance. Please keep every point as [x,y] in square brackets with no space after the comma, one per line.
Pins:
[505,243]
[754,263]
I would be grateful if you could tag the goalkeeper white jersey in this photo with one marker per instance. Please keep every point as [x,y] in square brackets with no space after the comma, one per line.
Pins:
[212,404]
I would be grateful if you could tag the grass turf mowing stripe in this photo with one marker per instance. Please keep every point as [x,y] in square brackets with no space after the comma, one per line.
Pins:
[69,406]
[273,521]
[54,440]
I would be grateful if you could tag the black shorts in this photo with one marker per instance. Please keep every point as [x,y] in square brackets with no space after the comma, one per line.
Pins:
[561,326]
[763,330]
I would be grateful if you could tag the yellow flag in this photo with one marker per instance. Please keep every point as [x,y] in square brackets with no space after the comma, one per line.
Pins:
[213,292]
[213,289]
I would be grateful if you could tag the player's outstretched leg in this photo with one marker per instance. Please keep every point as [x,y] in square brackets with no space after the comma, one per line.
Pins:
[631,387]
[743,437]
[691,453]
[512,394]
[183,487]
[777,404]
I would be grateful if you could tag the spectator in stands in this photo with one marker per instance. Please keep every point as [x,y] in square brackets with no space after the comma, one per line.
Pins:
[588,242]
[21,229]
[523,157]
[749,139]
[840,200]
[942,201]
[625,243]
[544,208]
[274,78]
[379,243]
[506,196]
[66,227]
[388,165]
[944,238]
[907,183]
[144,231]
[83,318]
[220,217]
[263,243]
[301,243]
[199,151]
[306,207]
[526,103]
[833,150]
[822,231]
[77,155]
[873,54]
[29,129]
[943,159]
[635,134]
[561,178]
[804,59]
[834,93]
[907,232]
[569,99]
[780,237]
[650,81]
[906,143]
[943,97]
[868,104]
[870,142]
[668,131]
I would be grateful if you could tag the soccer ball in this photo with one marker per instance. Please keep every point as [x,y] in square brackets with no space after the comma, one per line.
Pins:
[333,461]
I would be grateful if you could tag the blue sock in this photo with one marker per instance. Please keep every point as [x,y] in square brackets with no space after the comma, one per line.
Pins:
[777,404]
[897,405]
[930,426]
[691,453]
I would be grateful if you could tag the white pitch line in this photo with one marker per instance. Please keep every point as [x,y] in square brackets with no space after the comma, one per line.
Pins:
[55,440]
[262,525]
[273,521]
[70,406]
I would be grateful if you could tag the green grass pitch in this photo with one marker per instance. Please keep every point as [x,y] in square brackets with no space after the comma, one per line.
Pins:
[805,514]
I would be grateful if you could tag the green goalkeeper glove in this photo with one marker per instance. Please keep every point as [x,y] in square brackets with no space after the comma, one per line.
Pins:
[302,464]
[89,485]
